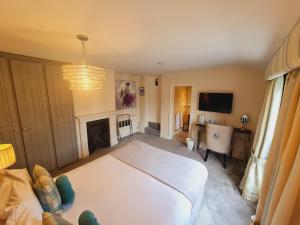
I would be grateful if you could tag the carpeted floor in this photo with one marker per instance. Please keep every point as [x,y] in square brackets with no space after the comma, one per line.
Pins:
[181,136]
[222,203]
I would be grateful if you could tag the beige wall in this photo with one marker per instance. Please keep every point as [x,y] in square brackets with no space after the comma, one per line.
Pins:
[150,102]
[136,78]
[103,101]
[99,101]
[247,85]
[181,99]
[154,99]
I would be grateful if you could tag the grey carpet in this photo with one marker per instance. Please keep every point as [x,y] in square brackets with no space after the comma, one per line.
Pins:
[222,203]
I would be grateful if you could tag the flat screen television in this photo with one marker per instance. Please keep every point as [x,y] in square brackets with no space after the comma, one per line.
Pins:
[216,102]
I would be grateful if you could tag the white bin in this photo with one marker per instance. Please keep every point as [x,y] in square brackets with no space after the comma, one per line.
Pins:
[190,144]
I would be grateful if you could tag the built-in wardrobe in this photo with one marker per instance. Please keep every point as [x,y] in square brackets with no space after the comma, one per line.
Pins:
[36,113]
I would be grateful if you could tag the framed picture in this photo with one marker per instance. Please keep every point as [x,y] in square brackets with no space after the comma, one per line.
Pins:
[125,94]
[142,91]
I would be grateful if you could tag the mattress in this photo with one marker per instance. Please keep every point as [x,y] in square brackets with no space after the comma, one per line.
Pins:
[138,184]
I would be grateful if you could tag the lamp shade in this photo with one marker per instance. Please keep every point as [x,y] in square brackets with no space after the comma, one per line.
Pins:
[7,155]
[83,77]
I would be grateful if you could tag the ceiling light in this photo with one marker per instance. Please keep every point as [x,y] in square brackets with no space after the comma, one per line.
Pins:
[83,77]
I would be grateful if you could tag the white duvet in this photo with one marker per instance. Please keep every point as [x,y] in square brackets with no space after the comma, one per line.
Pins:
[119,194]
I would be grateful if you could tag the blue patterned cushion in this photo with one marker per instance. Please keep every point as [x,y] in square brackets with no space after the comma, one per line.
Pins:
[46,190]
[54,219]
[39,171]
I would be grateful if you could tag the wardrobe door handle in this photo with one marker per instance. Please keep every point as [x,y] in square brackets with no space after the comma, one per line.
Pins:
[24,128]
[15,130]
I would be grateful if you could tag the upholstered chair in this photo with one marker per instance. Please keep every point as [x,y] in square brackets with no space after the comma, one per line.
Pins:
[218,139]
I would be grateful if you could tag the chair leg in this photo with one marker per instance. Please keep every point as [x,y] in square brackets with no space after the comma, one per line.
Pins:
[225,161]
[206,156]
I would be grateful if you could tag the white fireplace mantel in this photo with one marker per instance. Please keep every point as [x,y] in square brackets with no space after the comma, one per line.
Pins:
[81,129]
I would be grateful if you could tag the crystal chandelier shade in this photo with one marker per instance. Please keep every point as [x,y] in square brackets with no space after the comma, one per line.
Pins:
[83,77]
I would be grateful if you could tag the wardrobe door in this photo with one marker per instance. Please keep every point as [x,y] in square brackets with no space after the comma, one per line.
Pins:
[62,115]
[31,94]
[9,122]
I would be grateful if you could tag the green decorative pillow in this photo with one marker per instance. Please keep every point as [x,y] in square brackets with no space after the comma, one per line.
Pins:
[65,189]
[54,219]
[46,190]
[87,218]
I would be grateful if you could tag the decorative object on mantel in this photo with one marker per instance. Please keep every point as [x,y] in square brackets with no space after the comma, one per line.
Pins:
[83,77]
[244,120]
[125,94]
[142,91]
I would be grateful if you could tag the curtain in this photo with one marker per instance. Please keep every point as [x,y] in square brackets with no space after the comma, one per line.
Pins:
[252,180]
[279,202]
[287,58]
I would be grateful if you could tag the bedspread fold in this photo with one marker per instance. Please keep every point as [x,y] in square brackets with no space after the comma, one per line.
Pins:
[185,175]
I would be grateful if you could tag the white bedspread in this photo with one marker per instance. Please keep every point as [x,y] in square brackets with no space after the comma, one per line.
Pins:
[185,175]
[119,194]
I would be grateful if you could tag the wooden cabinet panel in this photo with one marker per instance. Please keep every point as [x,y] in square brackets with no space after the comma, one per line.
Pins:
[9,122]
[31,95]
[62,115]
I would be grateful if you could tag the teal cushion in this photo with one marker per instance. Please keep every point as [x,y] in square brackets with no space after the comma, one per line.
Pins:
[46,190]
[65,189]
[87,218]
[54,219]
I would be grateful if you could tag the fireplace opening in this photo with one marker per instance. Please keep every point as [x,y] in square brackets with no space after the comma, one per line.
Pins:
[98,134]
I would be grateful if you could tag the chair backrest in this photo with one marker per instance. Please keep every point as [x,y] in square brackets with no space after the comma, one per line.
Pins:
[218,138]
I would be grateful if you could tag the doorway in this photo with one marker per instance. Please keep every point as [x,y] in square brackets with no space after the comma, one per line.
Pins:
[182,112]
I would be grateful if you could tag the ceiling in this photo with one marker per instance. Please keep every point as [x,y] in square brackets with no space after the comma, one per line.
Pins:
[133,35]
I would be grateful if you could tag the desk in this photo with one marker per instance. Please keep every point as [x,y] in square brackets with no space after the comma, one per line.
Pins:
[241,142]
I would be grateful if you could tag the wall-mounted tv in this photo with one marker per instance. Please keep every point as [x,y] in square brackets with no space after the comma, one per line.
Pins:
[216,102]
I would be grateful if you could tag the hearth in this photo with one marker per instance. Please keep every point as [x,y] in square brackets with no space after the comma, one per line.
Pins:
[98,133]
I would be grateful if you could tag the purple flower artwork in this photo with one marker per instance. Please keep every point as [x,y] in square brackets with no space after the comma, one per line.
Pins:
[125,94]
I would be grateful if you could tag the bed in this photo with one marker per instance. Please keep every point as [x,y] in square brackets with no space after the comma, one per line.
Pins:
[138,184]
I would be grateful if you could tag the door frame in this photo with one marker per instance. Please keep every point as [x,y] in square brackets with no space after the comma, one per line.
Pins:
[193,101]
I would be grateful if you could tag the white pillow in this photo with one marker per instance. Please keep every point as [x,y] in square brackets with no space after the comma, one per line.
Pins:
[5,190]
[23,203]
[21,215]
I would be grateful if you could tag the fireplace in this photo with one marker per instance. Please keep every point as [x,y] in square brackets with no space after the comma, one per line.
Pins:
[98,133]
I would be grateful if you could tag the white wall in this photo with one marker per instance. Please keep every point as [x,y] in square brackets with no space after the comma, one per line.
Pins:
[154,99]
[247,85]
[99,101]
[134,112]
[150,102]
[103,101]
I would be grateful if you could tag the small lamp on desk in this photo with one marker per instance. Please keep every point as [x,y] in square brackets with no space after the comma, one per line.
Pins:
[244,120]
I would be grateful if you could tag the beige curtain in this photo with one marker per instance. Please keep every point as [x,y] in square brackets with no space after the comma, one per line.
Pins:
[287,58]
[279,202]
[252,180]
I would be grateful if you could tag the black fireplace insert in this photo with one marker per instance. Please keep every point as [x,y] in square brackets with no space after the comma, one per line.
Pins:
[98,134]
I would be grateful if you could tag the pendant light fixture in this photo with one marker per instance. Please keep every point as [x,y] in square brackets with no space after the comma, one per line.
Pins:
[83,77]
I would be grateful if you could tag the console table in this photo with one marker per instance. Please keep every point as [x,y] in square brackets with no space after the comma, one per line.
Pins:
[241,142]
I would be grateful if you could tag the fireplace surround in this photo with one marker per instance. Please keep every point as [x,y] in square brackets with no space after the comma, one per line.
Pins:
[82,133]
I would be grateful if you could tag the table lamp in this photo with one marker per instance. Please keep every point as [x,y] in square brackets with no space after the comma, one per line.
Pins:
[7,156]
[7,159]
